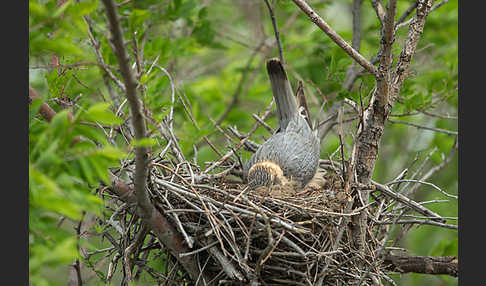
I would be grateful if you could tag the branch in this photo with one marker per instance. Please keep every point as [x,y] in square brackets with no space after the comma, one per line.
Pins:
[414,32]
[408,202]
[277,34]
[316,19]
[355,43]
[158,224]
[423,264]
[387,39]
[141,170]
[406,13]
[445,131]
[380,11]
[162,228]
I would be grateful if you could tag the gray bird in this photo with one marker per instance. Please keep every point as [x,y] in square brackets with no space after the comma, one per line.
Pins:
[291,154]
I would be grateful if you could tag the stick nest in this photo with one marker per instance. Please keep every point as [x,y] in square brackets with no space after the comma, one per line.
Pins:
[269,236]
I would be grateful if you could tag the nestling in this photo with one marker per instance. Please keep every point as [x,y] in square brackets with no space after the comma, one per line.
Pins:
[291,154]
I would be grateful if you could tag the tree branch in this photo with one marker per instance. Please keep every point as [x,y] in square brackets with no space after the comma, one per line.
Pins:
[151,216]
[141,170]
[423,264]
[374,117]
[277,34]
[355,43]
[316,19]
[380,11]
[414,32]
[162,228]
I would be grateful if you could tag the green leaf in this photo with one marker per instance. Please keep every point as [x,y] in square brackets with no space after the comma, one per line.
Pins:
[144,142]
[137,18]
[204,33]
[37,9]
[84,8]
[87,170]
[62,8]
[60,123]
[34,108]
[89,132]
[112,152]
[203,13]
[102,114]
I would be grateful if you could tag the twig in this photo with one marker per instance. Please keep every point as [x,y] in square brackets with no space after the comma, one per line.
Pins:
[316,19]
[448,132]
[425,183]
[277,34]
[434,223]
[406,201]
[406,13]
[355,43]
[380,11]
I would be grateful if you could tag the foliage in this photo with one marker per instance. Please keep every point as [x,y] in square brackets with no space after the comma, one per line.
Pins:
[207,48]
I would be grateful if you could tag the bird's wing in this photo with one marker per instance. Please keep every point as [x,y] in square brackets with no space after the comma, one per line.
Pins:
[303,109]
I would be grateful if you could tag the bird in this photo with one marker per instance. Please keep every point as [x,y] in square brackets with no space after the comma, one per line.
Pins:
[291,154]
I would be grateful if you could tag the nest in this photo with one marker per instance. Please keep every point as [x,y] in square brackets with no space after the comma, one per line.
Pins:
[273,236]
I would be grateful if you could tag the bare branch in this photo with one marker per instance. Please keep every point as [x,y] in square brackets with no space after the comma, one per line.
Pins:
[419,222]
[135,106]
[415,30]
[406,13]
[406,201]
[356,43]
[316,19]
[448,132]
[147,210]
[277,34]
[423,264]
[380,11]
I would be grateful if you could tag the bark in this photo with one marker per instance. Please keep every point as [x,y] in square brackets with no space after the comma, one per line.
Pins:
[423,264]
[162,228]
[166,233]
[388,86]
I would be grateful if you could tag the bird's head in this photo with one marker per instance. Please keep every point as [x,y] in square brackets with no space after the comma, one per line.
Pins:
[265,173]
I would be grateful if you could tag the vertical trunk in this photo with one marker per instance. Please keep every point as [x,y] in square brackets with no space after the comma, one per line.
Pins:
[388,84]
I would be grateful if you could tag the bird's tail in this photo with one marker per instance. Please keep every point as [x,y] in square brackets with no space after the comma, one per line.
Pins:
[282,92]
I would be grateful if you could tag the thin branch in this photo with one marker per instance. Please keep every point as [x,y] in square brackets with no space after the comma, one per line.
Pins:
[423,264]
[141,171]
[403,24]
[380,11]
[406,13]
[406,201]
[316,19]
[425,183]
[448,132]
[277,34]
[147,210]
[355,43]
[416,221]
